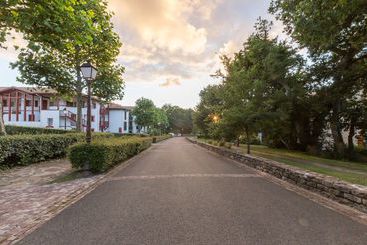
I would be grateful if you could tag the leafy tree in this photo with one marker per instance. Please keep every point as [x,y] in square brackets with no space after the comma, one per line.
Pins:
[262,88]
[58,67]
[160,121]
[209,107]
[145,112]
[334,32]
[45,22]
[179,119]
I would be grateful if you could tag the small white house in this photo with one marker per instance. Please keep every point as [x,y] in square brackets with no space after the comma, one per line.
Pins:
[120,119]
[43,108]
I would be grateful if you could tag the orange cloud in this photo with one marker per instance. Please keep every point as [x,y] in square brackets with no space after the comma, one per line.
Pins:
[170,82]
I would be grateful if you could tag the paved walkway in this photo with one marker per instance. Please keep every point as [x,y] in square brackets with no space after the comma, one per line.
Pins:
[179,193]
[27,198]
[34,174]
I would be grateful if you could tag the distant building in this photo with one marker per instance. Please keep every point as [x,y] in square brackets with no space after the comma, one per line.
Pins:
[43,108]
[121,120]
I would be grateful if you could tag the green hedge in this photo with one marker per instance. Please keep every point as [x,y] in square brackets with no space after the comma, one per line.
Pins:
[103,154]
[157,139]
[20,150]
[15,130]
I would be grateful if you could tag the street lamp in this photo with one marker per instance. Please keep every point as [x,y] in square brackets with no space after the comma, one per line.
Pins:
[89,73]
[65,114]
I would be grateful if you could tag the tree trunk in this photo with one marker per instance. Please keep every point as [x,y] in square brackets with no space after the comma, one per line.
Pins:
[248,140]
[238,142]
[79,101]
[350,137]
[335,127]
[2,125]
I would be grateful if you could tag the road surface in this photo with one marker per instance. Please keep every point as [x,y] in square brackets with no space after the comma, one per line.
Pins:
[179,193]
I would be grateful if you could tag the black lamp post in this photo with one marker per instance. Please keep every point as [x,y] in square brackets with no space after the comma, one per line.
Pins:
[89,73]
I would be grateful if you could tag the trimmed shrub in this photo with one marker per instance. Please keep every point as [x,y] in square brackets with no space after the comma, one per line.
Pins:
[15,130]
[102,155]
[21,150]
[161,138]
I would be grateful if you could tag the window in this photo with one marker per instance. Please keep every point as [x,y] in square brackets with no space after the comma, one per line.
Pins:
[125,115]
[36,103]
[5,102]
[28,103]
[94,105]
[125,126]
[50,122]
[120,130]
[31,118]
[92,118]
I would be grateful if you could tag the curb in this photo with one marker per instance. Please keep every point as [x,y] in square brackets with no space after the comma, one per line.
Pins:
[331,188]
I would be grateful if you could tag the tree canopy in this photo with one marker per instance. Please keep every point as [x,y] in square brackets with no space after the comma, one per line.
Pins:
[268,86]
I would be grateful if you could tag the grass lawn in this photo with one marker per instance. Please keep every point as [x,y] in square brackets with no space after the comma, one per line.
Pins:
[352,172]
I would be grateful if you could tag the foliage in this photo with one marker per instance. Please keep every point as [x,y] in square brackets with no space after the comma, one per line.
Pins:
[179,120]
[104,154]
[14,130]
[209,106]
[16,150]
[160,121]
[53,59]
[144,112]
[334,33]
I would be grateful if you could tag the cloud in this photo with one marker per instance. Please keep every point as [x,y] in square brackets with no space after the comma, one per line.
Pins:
[170,82]
[161,24]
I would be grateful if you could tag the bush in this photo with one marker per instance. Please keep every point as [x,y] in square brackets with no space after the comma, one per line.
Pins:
[15,130]
[101,155]
[161,138]
[222,143]
[20,150]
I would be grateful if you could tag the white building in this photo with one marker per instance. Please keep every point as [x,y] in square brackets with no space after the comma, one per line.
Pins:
[43,108]
[121,120]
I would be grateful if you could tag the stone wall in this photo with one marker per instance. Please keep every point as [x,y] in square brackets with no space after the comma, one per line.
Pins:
[340,191]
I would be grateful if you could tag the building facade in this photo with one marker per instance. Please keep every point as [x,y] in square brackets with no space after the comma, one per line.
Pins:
[121,119]
[43,108]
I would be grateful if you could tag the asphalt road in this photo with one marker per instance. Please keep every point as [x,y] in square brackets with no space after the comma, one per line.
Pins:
[178,193]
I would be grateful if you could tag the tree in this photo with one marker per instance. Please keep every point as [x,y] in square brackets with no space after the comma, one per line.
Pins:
[48,23]
[263,88]
[2,125]
[58,67]
[334,32]
[160,121]
[179,119]
[144,112]
[209,106]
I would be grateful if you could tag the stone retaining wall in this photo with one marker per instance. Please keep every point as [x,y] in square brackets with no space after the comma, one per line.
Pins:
[340,191]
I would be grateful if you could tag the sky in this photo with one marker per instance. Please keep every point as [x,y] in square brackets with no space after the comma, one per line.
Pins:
[171,47]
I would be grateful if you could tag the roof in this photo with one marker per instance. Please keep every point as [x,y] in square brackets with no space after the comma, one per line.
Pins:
[115,106]
[31,90]
[38,91]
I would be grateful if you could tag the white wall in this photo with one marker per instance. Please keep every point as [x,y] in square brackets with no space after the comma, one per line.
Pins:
[117,119]
[55,115]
